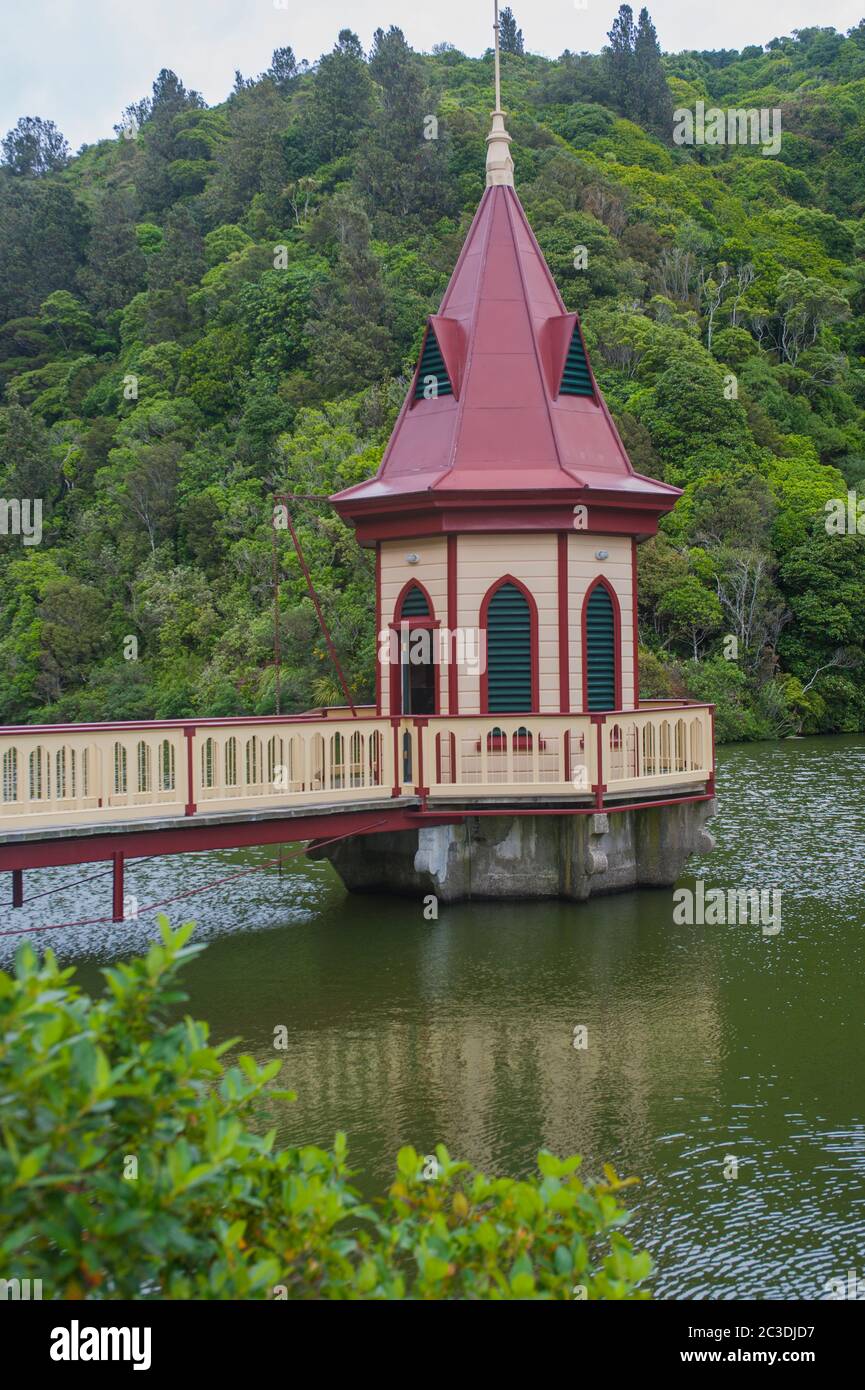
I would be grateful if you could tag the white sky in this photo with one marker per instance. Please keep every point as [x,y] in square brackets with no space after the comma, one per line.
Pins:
[80,62]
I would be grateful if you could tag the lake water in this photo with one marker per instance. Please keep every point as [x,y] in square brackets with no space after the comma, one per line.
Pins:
[704,1042]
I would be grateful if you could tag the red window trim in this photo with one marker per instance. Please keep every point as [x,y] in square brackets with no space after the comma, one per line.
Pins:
[378,615]
[533,614]
[431,623]
[603,582]
[400,599]
[564,625]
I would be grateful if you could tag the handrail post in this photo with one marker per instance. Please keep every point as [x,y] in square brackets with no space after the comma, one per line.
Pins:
[599,720]
[117,895]
[397,755]
[190,773]
[420,789]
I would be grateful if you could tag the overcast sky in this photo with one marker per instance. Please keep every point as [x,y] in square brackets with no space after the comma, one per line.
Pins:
[80,62]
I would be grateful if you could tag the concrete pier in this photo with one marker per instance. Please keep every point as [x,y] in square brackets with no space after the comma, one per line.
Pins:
[528,857]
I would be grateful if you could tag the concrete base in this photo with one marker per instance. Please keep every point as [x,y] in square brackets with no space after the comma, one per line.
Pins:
[567,856]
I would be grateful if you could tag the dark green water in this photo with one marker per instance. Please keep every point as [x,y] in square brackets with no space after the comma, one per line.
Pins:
[704,1041]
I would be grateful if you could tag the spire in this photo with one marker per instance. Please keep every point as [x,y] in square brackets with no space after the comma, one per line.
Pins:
[500,166]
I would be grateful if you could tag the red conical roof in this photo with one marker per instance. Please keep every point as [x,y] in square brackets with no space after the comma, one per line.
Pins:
[506,433]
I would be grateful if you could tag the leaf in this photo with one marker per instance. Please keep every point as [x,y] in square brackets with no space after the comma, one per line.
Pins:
[28,1168]
[549,1165]
[407,1161]
[523,1286]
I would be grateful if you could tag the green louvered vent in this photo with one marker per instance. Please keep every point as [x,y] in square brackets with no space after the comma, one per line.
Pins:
[601,650]
[509,651]
[432,364]
[414,605]
[576,379]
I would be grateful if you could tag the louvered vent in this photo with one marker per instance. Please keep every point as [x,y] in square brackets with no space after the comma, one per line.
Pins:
[432,379]
[576,378]
[600,650]
[509,651]
[414,604]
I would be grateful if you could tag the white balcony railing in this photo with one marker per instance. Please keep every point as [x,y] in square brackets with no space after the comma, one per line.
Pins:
[67,775]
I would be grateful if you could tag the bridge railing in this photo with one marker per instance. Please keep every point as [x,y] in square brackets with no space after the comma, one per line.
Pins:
[63,775]
[78,774]
[666,747]
[670,746]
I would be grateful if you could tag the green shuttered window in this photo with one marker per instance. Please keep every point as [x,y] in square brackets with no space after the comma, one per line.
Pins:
[432,364]
[601,649]
[414,604]
[576,380]
[509,651]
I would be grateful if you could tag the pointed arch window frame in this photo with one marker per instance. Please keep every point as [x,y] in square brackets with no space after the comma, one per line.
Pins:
[534,644]
[601,582]
[432,623]
[557,335]
[450,340]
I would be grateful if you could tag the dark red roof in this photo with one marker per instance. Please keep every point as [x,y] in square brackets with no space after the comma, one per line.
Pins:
[504,334]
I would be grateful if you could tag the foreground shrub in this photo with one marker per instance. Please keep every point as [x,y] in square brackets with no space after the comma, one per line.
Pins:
[129,1170]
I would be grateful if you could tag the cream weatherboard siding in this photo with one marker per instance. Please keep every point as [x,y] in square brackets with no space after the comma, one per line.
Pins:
[532,558]
[482,560]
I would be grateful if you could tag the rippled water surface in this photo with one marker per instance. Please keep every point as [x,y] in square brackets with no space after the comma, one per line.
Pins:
[704,1041]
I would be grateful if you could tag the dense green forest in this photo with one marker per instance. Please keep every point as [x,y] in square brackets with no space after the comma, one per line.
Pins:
[223,301]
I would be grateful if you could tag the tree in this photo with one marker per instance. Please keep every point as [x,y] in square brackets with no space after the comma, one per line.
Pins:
[510,37]
[252,155]
[401,172]
[340,103]
[27,468]
[619,58]
[116,266]
[181,260]
[34,147]
[74,629]
[283,68]
[143,479]
[692,611]
[343,359]
[653,105]
[67,320]
[160,135]
[803,305]
[635,75]
[35,215]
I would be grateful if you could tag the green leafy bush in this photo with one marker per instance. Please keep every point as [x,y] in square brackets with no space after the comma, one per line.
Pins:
[129,1170]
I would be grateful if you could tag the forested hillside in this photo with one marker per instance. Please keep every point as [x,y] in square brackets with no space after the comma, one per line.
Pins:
[224,301]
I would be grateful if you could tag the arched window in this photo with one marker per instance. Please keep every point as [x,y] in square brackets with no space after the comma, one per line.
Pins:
[415,603]
[414,676]
[601,681]
[509,685]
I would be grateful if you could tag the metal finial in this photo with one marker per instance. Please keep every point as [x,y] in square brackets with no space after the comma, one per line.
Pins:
[497,60]
[500,166]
